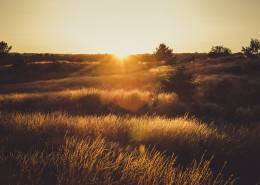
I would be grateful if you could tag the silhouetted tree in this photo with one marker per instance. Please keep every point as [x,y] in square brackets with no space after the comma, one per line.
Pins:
[163,53]
[182,82]
[4,48]
[219,51]
[253,50]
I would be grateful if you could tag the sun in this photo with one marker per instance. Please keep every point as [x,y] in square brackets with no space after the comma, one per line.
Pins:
[121,54]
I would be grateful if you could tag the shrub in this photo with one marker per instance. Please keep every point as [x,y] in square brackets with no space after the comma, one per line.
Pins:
[253,49]
[18,64]
[181,81]
[219,51]
[4,48]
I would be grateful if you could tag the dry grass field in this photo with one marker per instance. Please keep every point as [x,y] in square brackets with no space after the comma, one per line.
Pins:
[111,123]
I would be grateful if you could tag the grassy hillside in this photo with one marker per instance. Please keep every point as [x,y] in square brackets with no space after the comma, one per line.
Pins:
[112,123]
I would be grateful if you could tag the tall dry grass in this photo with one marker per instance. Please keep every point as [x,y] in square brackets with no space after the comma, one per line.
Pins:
[90,101]
[177,135]
[100,162]
[120,148]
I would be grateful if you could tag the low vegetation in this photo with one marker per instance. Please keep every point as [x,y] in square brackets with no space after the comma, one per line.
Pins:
[253,50]
[182,82]
[159,118]
[119,149]
[219,51]
[4,48]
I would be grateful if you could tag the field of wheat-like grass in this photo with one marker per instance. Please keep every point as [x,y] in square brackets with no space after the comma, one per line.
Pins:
[61,149]
[57,148]
[114,123]
[90,100]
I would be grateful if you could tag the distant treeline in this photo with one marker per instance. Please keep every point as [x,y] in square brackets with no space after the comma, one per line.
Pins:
[12,58]
[32,57]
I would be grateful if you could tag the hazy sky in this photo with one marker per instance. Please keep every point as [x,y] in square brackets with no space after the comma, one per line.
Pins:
[127,26]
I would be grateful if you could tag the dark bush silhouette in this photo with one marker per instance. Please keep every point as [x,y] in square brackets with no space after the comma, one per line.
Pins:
[252,50]
[181,81]
[4,48]
[219,51]
[18,64]
[164,53]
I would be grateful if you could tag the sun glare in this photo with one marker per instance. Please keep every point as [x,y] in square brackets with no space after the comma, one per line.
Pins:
[121,56]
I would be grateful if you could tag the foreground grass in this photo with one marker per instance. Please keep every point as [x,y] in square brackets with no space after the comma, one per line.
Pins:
[57,148]
[101,162]
[176,135]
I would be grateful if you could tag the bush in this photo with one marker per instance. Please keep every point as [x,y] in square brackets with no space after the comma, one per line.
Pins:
[181,81]
[18,64]
[219,51]
[252,50]
[4,48]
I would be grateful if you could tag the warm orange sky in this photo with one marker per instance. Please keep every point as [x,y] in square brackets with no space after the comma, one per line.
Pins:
[127,26]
